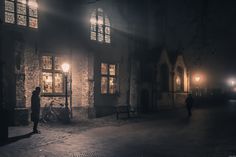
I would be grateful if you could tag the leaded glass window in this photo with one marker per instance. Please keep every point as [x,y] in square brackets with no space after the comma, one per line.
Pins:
[47,62]
[109,78]
[100,26]
[9,11]
[47,82]
[33,13]
[22,12]
[52,76]
[179,79]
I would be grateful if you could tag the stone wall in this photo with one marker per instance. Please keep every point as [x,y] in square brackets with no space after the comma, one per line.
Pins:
[32,73]
[82,88]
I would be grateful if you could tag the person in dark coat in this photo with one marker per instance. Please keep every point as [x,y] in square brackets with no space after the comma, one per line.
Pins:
[189,104]
[35,108]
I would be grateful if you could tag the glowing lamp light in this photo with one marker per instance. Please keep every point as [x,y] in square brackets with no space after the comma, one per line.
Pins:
[65,67]
[232,83]
[178,81]
[197,78]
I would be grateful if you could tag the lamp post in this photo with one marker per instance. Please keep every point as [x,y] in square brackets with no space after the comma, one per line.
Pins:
[65,69]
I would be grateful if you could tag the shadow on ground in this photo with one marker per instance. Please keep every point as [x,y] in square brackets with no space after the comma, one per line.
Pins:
[16,138]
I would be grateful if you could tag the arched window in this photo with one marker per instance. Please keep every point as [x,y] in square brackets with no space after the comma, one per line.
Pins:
[100,26]
[180,79]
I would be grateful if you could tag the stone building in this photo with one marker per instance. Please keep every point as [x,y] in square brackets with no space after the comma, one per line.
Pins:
[107,45]
[173,79]
[93,37]
[164,82]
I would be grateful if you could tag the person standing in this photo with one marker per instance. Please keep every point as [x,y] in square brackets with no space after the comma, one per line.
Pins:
[35,109]
[189,104]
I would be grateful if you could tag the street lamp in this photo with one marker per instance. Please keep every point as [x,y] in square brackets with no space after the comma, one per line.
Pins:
[65,68]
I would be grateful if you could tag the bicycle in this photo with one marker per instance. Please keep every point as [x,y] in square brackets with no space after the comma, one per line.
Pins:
[51,113]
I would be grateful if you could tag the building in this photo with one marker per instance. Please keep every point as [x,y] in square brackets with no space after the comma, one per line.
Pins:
[104,42]
[164,81]
[92,36]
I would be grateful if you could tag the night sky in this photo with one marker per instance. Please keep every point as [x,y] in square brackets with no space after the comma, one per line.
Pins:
[204,29]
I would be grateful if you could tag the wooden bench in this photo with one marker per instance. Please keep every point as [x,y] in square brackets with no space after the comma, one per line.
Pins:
[123,109]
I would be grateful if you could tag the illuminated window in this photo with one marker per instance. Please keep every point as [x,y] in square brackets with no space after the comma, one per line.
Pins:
[100,28]
[109,83]
[22,12]
[180,79]
[52,76]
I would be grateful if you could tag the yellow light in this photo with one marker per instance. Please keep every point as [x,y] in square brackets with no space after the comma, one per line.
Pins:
[65,67]
[197,78]
[100,22]
[33,4]
[178,81]
[93,21]
[232,83]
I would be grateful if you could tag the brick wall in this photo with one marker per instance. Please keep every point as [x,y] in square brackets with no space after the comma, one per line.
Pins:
[82,88]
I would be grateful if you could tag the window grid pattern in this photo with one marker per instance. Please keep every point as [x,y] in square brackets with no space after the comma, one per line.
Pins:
[22,12]
[52,76]
[100,28]
[109,78]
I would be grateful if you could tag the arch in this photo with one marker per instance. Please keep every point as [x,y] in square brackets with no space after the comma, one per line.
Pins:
[179,79]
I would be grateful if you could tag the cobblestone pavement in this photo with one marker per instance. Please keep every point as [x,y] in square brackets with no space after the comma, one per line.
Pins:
[210,132]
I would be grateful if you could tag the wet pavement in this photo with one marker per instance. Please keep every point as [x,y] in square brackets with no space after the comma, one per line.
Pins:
[210,132]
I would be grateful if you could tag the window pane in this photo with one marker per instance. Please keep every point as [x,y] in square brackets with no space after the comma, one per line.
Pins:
[47,82]
[47,62]
[21,8]
[104,85]
[22,1]
[33,12]
[112,85]
[58,63]
[107,30]
[100,10]
[100,20]
[58,77]
[107,39]
[33,4]
[93,36]
[100,37]
[9,17]
[104,69]
[33,22]
[21,20]
[100,29]
[107,21]
[9,6]
[112,69]
[93,27]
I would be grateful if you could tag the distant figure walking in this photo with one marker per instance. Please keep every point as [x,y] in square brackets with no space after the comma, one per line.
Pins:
[35,108]
[189,104]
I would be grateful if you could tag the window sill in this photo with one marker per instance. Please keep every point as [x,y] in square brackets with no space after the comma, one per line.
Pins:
[53,95]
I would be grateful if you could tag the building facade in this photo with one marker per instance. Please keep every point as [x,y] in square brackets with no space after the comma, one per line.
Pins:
[92,37]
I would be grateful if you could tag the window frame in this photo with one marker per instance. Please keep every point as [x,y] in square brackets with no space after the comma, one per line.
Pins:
[53,71]
[108,76]
[16,14]
[104,25]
